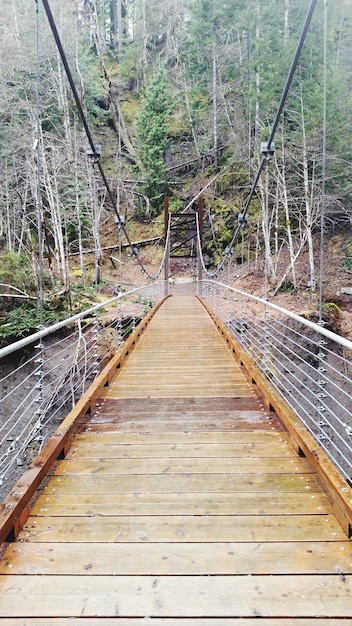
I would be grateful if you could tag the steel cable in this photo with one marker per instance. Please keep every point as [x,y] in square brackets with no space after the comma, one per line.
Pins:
[93,146]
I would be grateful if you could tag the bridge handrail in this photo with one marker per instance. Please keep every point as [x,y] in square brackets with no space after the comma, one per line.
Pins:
[48,330]
[47,382]
[342,341]
[309,366]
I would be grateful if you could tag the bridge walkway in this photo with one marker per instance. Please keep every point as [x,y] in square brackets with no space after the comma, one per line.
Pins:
[181,501]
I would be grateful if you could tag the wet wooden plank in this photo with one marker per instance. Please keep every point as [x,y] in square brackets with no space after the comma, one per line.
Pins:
[169,596]
[181,504]
[183,528]
[178,483]
[106,559]
[199,465]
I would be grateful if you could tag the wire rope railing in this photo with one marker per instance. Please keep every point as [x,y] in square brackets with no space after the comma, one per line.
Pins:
[42,376]
[309,365]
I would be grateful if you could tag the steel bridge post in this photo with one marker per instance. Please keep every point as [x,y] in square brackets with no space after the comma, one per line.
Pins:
[200,241]
[167,244]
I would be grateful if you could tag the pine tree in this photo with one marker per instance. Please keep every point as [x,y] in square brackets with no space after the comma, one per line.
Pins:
[152,138]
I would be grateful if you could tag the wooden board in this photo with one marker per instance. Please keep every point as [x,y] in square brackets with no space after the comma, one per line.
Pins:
[157,391]
[181,405]
[178,483]
[180,451]
[176,416]
[183,528]
[179,503]
[94,436]
[165,426]
[107,559]
[170,596]
[199,465]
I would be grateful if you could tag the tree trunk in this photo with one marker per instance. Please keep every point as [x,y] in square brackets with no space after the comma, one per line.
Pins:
[269,266]
[257,86]
[284,198]
[95,227]
[308,197]
[215,120]
[53,200]
[190,119]
[287,21]
[119,33]
[144,43]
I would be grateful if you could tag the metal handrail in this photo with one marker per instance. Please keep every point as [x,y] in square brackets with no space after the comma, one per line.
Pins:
[309,365]
[39,393]
[44,332]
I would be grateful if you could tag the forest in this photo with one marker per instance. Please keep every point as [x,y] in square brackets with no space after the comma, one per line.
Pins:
[179,96]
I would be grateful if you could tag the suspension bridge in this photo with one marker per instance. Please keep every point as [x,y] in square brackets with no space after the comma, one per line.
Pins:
[179,454]
[188,484]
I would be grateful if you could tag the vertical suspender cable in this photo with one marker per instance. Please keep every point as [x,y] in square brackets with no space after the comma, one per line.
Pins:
[38,166]
[40,223]
[323,185]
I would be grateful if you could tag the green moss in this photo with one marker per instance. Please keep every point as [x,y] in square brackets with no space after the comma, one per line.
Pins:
[332,308]
[129,110]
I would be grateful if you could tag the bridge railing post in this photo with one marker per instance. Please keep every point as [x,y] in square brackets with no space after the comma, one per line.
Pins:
[167,245]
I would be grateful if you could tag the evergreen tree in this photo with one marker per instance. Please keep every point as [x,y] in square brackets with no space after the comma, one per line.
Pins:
[152,138]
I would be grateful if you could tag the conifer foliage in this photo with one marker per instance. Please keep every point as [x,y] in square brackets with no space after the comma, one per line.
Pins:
[152,126]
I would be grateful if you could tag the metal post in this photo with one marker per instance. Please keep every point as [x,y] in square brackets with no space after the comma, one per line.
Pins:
[166,244]
[200,223]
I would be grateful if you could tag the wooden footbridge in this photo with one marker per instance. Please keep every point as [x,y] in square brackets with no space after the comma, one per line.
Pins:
[181,498]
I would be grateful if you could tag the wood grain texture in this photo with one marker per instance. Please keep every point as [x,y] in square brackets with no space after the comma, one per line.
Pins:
[183,528]
[200,465]
[181,483]
[176,596]
[181,503]
[177,558]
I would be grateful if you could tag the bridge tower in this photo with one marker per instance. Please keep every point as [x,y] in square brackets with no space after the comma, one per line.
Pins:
[183,237]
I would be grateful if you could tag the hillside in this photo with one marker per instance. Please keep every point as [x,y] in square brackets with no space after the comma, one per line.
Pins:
[173,100]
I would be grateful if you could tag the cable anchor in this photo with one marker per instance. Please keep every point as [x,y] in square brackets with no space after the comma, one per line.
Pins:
[267,150]
[94,155]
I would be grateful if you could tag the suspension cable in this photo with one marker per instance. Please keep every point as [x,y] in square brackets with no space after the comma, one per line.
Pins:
[38,144]
[323,198]
[201,257]
[95,153]
[38,169]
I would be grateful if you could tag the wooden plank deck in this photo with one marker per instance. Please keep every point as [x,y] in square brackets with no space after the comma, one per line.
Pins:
[181,501]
